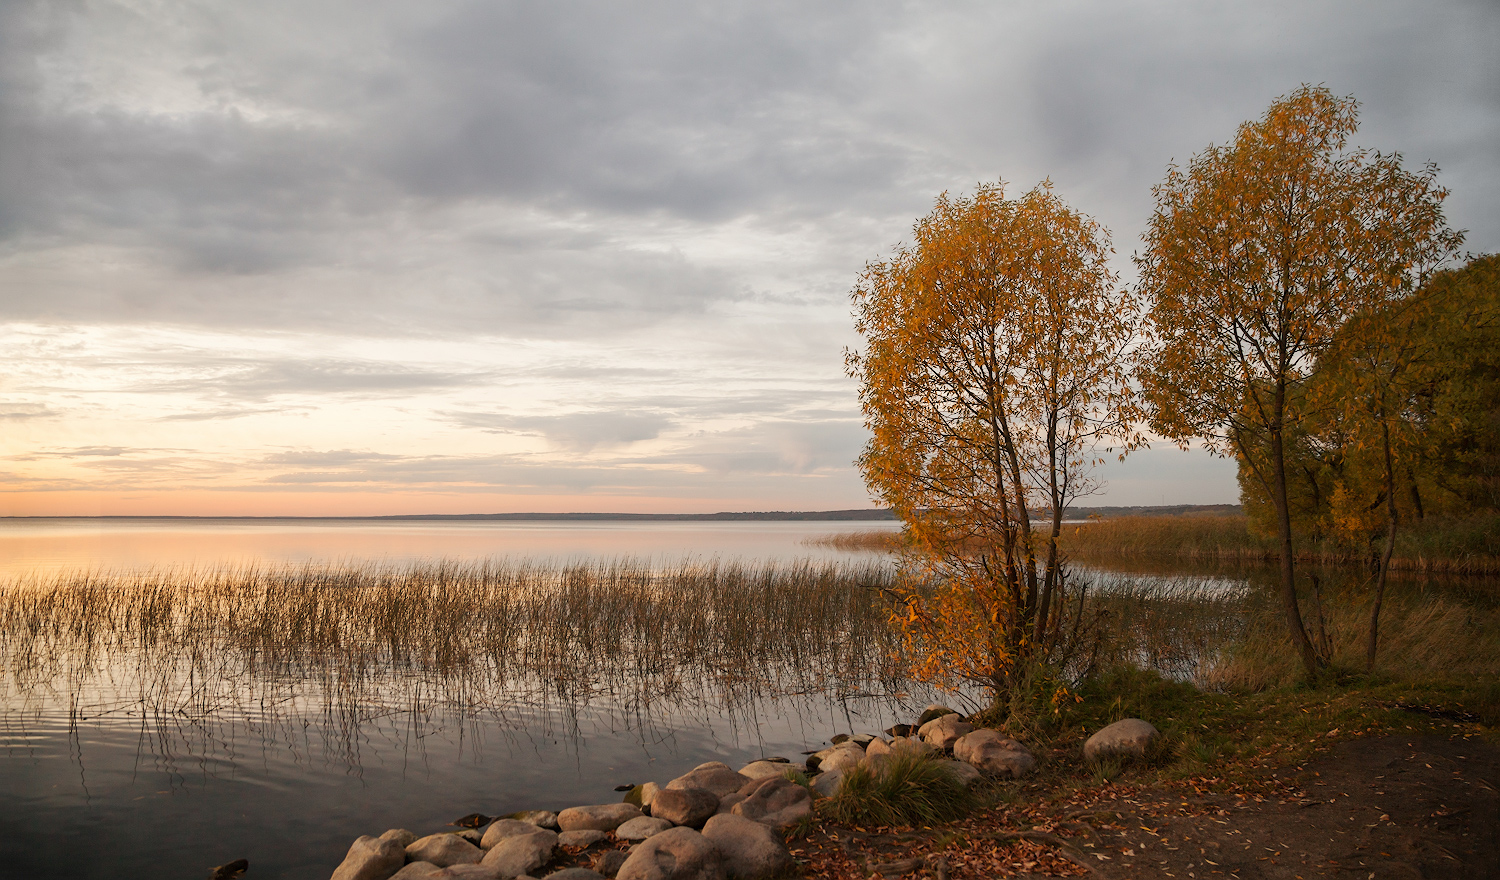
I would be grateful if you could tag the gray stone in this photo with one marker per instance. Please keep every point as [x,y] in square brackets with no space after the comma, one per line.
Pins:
[472,835]
[675,854]
[827,784]
[933,710]
[503,828]
[777,803]
[685,806]
[728,802]
[575,874]
[608,862]
[641,828]
[1130,738]
[401,836]
[597,817]
[540,818]
[751,850]
[522,854]
[416,871]
[584,838]
[712,776]
[466,872]
[944,731]
[840,757]
[370,858]
[443,850]
[994,754]
[863,740]
[904,745]
[966,774]
[762,769]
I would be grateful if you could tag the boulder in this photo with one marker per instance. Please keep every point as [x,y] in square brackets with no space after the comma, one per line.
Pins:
[608,862]
[472,835]
[863,740]
[503,828]
[522,854]
[933,710]
[371,858]
[641,828]
[675,854]
[466,872]
[910,745]
[597,817]
[993,754]
[685,806]
[942,732]
[713,776]
[727,802]
[416,871]
[443,850]
[584,838]
[902,729]
[575,874]
[827,784]
[540,818]
[762,769]
[778,803]
[877,746]
[400,835]
[649,792]
[1129,738]
[876,764]
[751,850]
[840,757]
[966,774]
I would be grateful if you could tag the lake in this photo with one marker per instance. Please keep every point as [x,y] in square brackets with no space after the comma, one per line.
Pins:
[123,759]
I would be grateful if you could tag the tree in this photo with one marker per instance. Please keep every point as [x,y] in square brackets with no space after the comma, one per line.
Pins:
[1255,255]
[993,370]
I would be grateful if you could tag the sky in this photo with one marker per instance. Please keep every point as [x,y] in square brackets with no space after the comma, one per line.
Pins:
[350,257]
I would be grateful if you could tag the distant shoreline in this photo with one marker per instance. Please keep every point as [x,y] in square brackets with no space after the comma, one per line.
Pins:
[871,515]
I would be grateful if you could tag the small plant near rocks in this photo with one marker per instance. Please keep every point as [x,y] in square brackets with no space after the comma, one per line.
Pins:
[908,789]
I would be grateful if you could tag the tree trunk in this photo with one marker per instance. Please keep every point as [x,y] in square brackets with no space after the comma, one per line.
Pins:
[1390,547]
[1300,640]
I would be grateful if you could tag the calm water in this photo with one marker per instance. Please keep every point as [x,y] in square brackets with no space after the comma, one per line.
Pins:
[50,545]
[115,773]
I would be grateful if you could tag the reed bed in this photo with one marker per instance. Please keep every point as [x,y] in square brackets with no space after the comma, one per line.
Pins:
[350,644]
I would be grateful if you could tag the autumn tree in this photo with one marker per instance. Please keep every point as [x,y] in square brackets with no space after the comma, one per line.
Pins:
[992,373]
[1256,254]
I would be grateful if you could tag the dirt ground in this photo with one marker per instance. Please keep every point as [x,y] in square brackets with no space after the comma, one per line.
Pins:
[1378,807]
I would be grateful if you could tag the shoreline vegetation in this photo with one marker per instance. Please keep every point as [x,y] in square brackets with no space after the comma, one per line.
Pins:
[1436,546]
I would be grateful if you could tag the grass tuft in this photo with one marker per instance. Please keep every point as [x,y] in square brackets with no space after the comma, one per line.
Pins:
[909,789]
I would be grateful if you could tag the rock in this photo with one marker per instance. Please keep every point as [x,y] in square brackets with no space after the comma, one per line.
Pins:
[575,874]
[876,764]
[994,754]
[472,835]
[522,854]
[597,817]
[778,803]
[585,838]
[608,862]
[827,784]
[863,740]
[902,729]
[877,746]
[503,828]
[775,759]
[540,818]
[966,774]
[641,828]
[713,776]
[676,854]
[1129,738]
[649,792]
[933,710]
[839,738]
[416,871]
[909,745]
[728,802]
[685,806]
[944,731]
[444,850]
[401,836]
[751,850]
[840,757]
[466,872]
[762,769]
[633,795]
[371,858]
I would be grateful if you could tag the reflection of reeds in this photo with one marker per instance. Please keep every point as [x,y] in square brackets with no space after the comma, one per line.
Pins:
[869,540]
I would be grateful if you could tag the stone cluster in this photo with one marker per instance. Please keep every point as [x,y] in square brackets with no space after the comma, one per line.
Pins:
[711,823]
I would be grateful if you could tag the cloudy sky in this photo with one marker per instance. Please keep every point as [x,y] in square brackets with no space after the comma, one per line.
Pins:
[353,256]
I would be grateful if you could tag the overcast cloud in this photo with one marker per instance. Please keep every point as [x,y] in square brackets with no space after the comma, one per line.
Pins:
[583,255]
